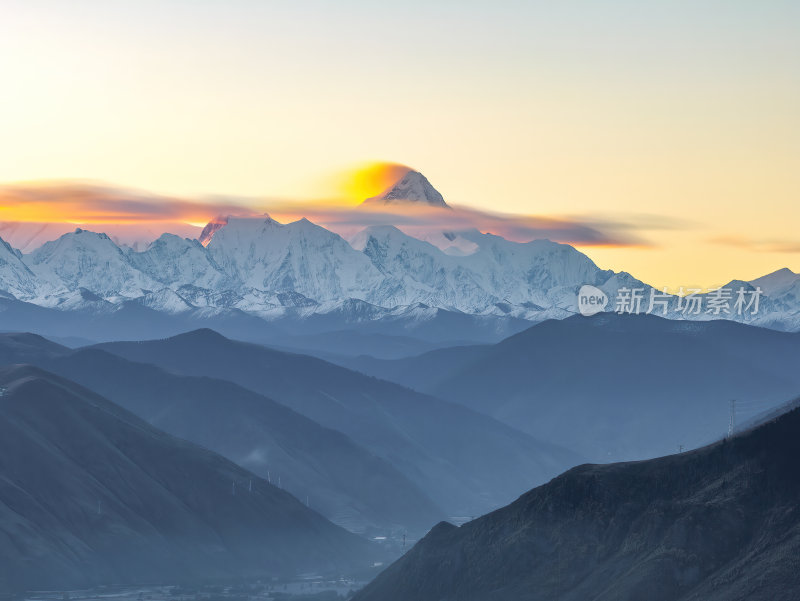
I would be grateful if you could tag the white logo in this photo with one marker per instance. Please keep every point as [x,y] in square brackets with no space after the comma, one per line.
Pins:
[591,300]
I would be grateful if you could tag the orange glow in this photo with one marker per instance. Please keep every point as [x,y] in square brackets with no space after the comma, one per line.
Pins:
[116,211]
[86,204]
[371,179]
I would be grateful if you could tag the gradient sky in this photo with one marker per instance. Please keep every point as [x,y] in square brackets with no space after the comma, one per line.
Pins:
[678,118]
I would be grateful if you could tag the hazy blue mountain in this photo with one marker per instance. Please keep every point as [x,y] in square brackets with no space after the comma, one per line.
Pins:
[465,461]
[91,494]
[718,524]
[613,387]
[22,347]
[325,468]
[353,342]
[342,330]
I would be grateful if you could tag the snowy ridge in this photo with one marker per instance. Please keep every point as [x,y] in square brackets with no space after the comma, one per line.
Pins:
[271,270]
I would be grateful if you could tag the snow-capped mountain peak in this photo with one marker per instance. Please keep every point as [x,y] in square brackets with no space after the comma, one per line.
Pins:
[362,238]
[777,282]
[300,270]
[450,243]
[175,261]
[84,259]
[300,257]
[15,277]
[412,188]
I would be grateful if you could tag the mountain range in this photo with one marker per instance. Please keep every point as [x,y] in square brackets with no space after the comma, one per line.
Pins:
[371,456]
[612,387]
[91,494]
[263,400]
[465,461]
[268,281]
[324,468]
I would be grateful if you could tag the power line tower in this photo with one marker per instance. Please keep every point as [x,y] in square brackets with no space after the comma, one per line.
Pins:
[732,422]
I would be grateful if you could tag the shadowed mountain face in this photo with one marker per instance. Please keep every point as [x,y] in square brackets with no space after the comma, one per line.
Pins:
[613,387]
[90,494]
[466,462]
[386,333]
[325,468]
[718,524]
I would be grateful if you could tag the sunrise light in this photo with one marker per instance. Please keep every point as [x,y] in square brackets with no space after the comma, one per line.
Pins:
[370,179]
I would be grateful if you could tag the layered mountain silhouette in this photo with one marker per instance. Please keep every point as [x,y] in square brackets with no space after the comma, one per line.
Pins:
[466,462]
[718,524]
[91,494]
[325,468]
[613,387]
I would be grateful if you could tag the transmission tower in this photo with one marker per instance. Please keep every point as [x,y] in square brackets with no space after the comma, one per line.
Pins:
[732,422]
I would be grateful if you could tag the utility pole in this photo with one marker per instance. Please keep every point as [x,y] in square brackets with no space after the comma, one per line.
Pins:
[732,422]
[233,488]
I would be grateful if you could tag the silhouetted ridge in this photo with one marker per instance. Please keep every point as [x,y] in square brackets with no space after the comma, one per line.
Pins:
[715,524]
[613,387]
[22,347]
[338,478]
[465,462]
[90,494]
[204,335]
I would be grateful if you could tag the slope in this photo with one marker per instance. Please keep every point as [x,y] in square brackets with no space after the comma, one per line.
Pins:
[322,467]
[464,461]
[718,524]
[613,387]
[90,494]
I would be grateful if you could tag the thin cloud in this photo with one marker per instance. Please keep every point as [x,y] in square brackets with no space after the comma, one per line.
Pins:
[84,203]
[70,202]
[415,219]
[758,245]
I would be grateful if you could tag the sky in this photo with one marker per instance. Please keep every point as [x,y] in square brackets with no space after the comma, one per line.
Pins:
[672,128]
